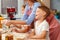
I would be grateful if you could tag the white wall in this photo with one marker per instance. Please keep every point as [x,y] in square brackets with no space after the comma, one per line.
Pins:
[55,4]
[8,3]
[20,3]
[46,2]
[0,6]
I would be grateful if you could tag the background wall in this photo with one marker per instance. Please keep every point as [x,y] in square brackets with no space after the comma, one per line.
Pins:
[8,3]
[11,3]
[55,4]
[46,3]
[0,6]
[20,3]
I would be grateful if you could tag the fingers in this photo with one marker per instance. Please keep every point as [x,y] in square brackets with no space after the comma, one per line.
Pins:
[8,23]
[4,21]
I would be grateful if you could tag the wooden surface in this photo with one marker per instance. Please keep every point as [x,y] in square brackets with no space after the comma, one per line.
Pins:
[16,36]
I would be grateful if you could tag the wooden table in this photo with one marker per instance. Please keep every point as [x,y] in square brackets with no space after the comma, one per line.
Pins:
[16,36]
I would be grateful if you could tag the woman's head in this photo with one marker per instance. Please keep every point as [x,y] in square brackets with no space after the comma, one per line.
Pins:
[23,8]
[31,1]
[42,12]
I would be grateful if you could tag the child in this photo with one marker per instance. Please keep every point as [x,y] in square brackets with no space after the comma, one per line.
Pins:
[23,9]
[41,25]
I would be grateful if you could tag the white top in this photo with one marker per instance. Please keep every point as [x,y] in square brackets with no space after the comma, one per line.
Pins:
[44,26]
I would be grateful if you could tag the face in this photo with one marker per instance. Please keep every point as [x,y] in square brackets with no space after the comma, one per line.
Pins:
[25,1]
[29,2]
[40,14]
[23,9]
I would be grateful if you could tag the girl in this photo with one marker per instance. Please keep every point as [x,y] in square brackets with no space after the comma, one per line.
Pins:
[41,25]
[23,9]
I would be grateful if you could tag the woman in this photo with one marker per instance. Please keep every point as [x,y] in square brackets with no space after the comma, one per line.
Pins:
[41,25]
[29,13]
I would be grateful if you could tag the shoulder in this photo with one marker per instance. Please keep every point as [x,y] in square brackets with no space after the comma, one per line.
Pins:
[37,3]
[45,23]
[45,26]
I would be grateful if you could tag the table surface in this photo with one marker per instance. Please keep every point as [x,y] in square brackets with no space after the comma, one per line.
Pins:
[15,35]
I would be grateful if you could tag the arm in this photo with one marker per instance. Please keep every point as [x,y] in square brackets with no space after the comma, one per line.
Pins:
[32,15]
[22,30]
[14,22]
[30,18]
[43,33]
[32,32]
[22,21]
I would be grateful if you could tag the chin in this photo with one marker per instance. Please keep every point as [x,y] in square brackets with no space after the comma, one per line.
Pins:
[36,18]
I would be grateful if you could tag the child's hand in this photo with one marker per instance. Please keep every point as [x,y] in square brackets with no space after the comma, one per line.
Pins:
[18,25]
[4,21]
[15,29]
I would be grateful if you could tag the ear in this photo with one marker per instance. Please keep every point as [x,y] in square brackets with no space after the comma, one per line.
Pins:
[44,13]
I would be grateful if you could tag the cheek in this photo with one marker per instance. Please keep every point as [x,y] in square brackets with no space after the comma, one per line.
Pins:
[29,2]
[38,16]
[22,9]
[37,13]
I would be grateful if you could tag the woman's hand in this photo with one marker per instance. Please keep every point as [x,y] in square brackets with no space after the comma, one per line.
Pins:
[14,30]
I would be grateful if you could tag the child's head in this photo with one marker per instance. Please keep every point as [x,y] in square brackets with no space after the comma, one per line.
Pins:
[42,12]
[23,9]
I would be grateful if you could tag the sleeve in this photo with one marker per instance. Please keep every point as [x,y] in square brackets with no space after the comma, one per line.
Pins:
[32,15]
[25,15]
[45,27]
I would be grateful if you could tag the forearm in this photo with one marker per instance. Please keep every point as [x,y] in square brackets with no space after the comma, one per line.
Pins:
[24,29]
[17,22]
[32,32]
[40,36]
[20,31]
[37,37]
